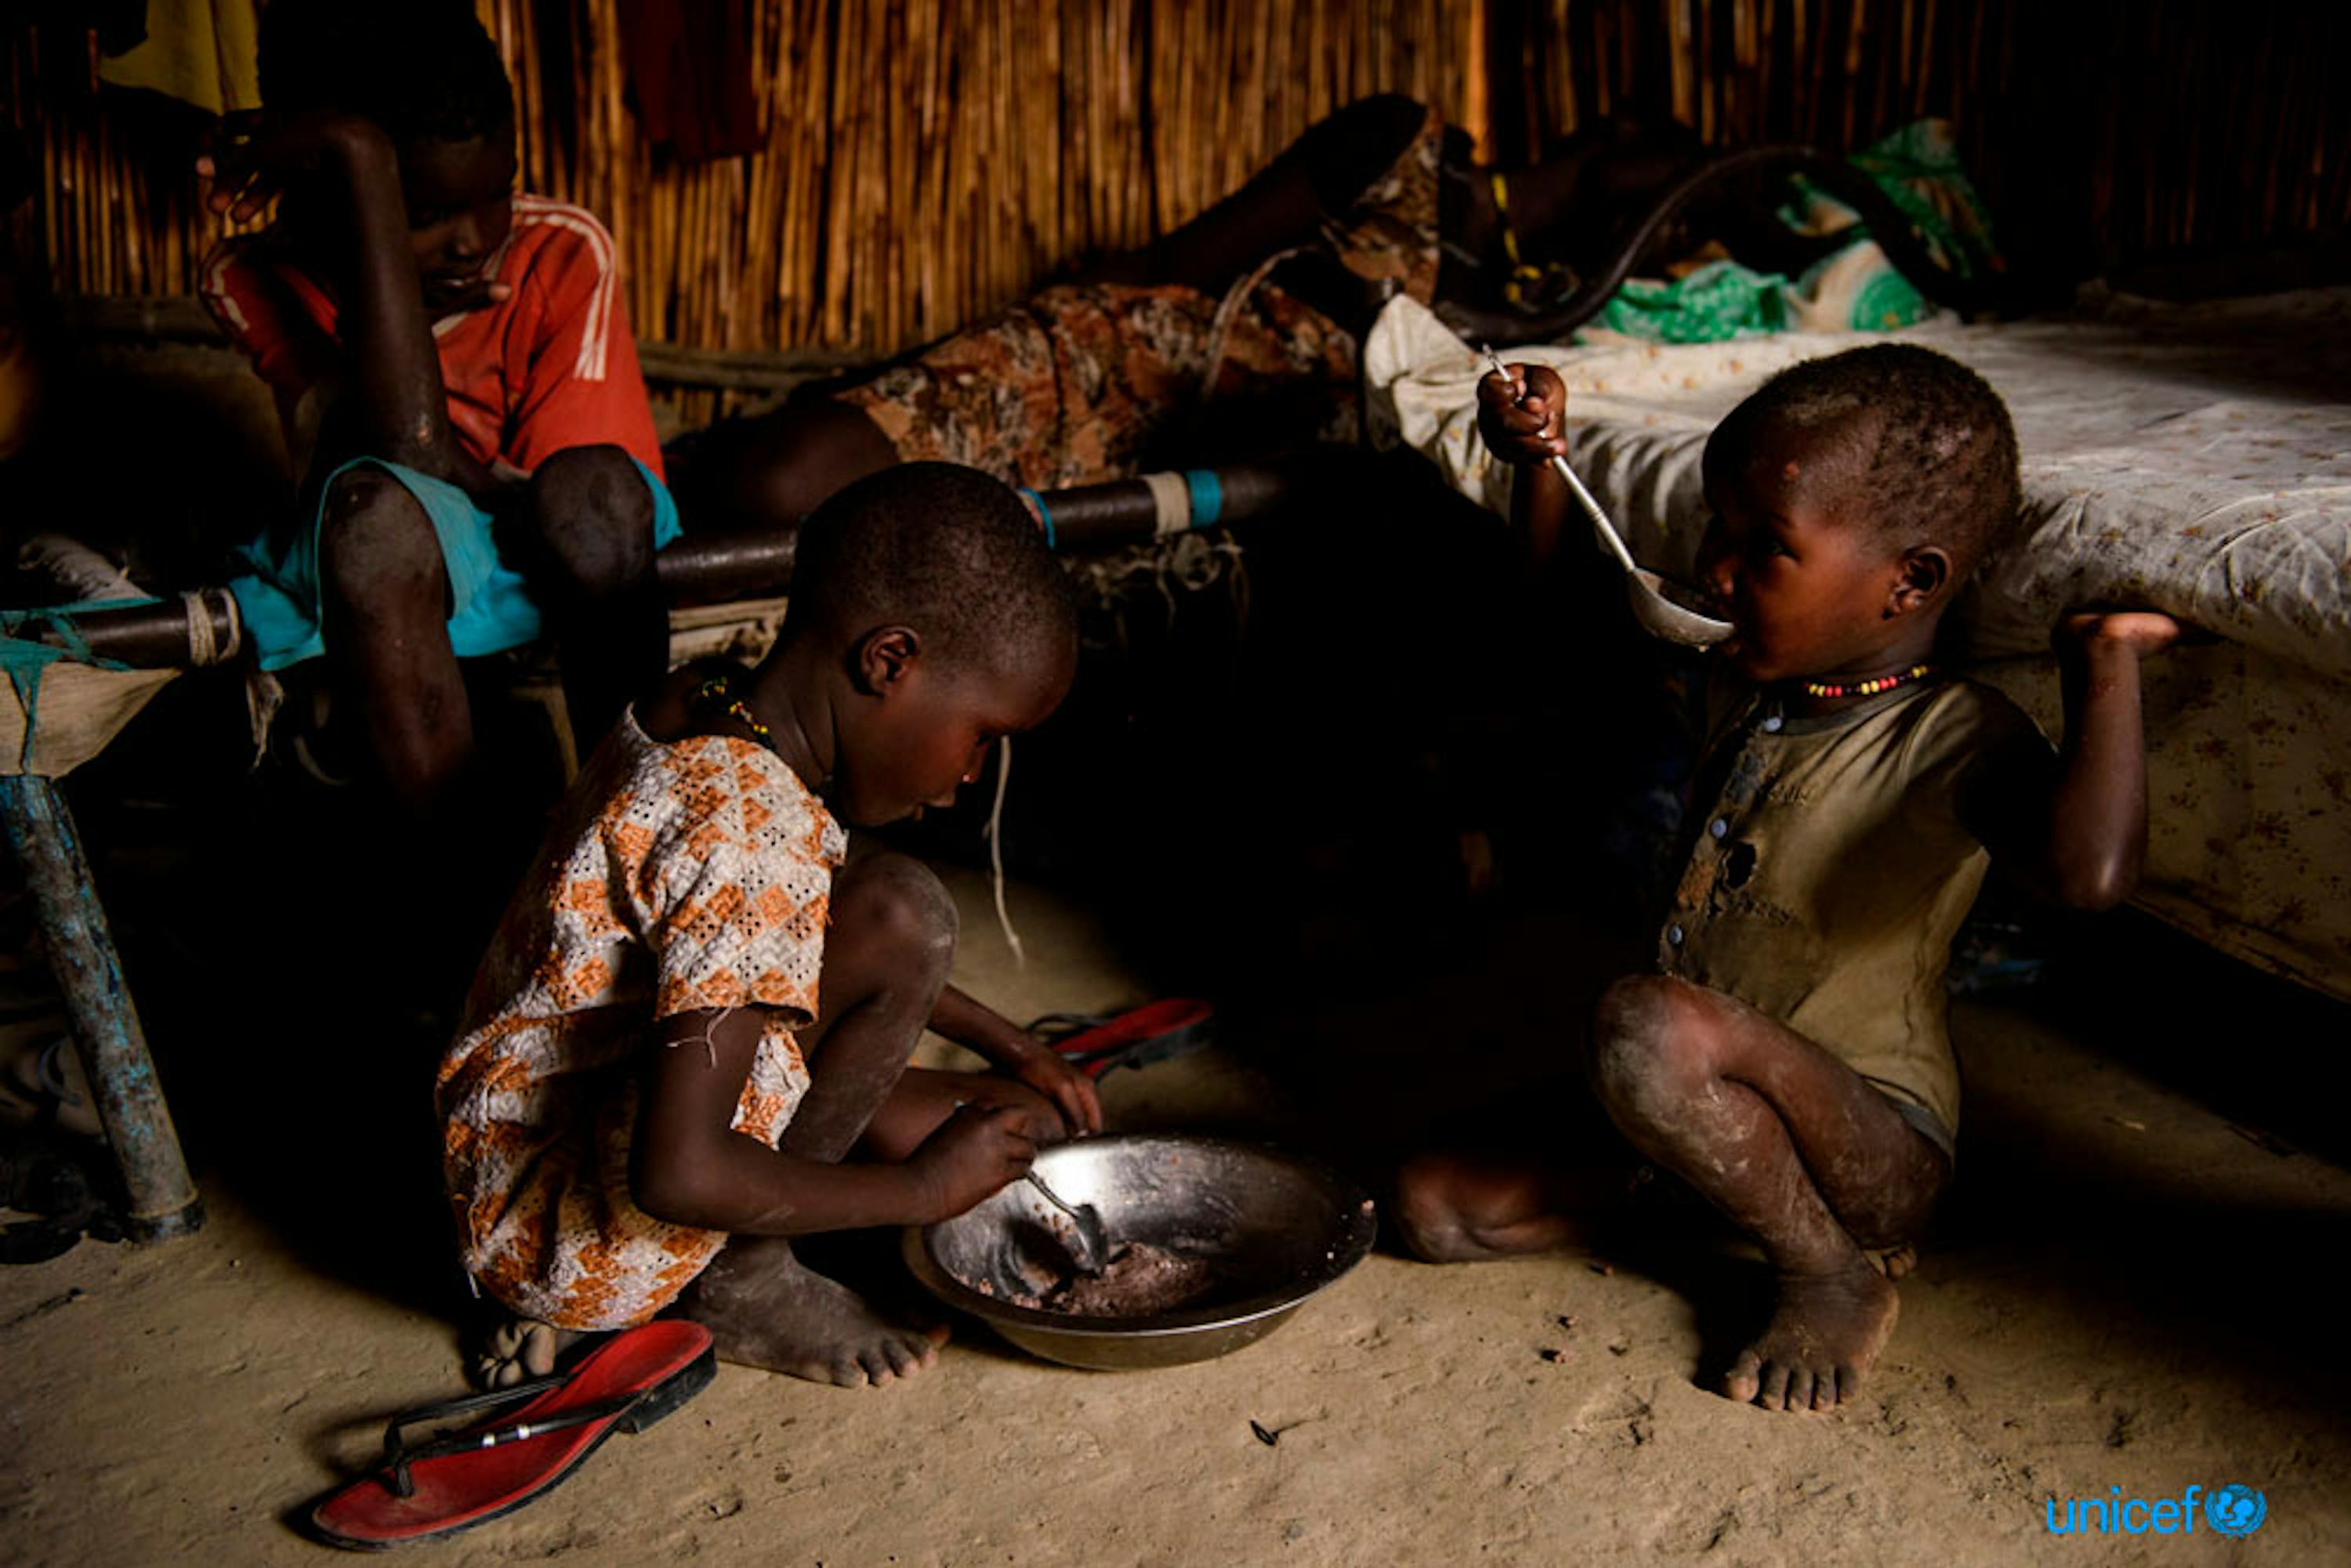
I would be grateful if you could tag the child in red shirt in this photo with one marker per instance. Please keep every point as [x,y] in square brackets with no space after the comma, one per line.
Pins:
[456,379]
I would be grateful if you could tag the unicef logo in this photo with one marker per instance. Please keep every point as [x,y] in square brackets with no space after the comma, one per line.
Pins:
[2233,1512]
[2236,1511]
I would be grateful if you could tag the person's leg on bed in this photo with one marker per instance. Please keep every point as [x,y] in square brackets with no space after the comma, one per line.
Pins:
[1792,1146]
[762,475]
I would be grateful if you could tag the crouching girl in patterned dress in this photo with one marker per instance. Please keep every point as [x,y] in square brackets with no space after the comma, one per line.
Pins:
[687,1044]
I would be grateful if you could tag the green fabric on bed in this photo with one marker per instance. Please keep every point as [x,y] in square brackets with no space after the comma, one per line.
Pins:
[1855,288]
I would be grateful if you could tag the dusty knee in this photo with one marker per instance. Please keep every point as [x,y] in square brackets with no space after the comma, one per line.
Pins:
[591,517]
[893,902]
[375,539]
[1649,1040]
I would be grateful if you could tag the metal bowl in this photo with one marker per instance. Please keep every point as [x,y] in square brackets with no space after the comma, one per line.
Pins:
[1273,1227]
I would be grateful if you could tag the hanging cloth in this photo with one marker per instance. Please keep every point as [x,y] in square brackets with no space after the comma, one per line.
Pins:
[690,69]
[202,52]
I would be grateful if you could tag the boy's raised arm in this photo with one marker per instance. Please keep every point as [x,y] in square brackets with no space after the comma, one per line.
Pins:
[393,404]
[2078,836]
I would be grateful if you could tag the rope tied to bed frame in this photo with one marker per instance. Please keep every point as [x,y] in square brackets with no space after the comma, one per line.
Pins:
[206,646]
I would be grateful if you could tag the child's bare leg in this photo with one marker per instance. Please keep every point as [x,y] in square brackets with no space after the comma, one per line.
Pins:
[588,551]
[1793,1147]
[385,605]
[1326,169]
[886,954]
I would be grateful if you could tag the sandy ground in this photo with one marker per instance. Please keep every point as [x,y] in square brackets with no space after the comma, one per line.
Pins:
[2121,1293]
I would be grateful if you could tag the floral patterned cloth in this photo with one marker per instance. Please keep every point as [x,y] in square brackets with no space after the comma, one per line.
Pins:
[680,877]
[1089,382]
[2197,459]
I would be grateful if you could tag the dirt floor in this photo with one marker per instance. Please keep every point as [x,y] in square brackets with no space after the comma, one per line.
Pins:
[2121,1293]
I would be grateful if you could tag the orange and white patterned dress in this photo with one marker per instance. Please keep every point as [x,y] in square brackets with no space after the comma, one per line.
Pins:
[679,876]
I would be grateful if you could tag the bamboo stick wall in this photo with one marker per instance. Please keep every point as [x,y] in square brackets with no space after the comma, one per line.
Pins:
[928,160]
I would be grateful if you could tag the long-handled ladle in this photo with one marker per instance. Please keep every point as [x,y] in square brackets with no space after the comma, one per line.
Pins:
[1652,605]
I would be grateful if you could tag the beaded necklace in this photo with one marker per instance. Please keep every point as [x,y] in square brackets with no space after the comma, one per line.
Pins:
[719,694]
[1869,688]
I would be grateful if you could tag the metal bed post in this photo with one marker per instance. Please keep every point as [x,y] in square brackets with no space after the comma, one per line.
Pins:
[162,1199]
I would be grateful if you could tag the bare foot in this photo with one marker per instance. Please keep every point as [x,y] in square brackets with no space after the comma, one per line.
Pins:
[1824,1337]
[1452,1209]
[1446,1237]
[516,1349]
[1893,1262]
[765,1309]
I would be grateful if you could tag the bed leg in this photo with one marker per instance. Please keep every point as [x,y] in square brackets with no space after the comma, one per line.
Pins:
[163,1199]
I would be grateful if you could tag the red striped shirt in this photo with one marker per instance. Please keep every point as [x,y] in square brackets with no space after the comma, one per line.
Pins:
[551,366]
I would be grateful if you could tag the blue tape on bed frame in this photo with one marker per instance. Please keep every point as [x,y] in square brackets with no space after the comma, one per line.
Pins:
[1044,514]
[1208,496]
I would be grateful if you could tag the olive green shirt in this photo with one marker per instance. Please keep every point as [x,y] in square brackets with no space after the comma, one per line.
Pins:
[1830,871]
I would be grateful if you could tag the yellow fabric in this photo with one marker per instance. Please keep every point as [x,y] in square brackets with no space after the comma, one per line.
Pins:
[1830,893]
[201,51]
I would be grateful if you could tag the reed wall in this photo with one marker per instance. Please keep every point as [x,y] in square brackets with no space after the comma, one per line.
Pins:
[925,163]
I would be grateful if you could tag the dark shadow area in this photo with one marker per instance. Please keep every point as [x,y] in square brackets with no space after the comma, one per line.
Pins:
[296,961]
[2259,1050]
[2193,1266]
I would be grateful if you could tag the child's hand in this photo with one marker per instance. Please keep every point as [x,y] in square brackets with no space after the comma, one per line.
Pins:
[2137,632]
[973,1153]
[1523,419]
[248,156]
[1071,1092]
[479,295]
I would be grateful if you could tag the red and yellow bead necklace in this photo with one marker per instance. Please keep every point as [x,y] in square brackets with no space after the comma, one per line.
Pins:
[1869,688]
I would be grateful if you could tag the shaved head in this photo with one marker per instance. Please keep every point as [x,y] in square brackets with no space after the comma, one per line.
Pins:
[944,549]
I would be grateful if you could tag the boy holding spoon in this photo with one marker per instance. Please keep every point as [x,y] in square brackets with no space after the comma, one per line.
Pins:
[1788,1058]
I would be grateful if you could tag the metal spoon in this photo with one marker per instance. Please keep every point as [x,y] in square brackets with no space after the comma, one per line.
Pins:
[1653,605]
[1094,1253]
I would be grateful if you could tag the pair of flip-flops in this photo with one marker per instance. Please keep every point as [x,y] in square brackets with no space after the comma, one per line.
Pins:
[536,1435]
[1095,1043]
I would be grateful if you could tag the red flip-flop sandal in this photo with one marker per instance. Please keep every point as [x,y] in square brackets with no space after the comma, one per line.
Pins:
[1095,1043]
[454,1480]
